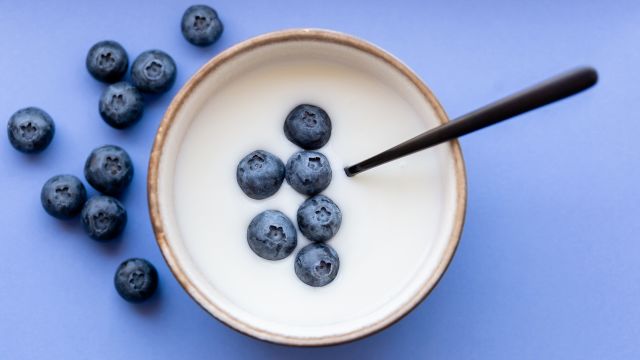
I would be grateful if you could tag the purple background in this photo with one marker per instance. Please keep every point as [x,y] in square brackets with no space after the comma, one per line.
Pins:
[549,262]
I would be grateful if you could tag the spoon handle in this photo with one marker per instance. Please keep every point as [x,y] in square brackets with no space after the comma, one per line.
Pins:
[546,92]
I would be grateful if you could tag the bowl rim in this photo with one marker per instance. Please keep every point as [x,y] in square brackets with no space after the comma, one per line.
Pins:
[289,35]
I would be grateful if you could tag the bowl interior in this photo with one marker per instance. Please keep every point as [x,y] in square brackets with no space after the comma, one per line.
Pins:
[402,221]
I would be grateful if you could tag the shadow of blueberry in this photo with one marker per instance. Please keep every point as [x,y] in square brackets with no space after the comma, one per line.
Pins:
[151,306]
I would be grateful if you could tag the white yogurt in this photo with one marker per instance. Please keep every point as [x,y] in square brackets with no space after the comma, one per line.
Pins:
[396,218]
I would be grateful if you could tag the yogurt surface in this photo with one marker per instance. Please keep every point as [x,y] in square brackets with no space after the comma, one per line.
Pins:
[396,218]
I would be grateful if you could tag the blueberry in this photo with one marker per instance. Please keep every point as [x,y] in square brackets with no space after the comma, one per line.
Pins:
[103,217]
[30,130]
[271,235]
[107,61]
[153,71]
[308,126]
[136,280]
[317,264]
[308,172]
[109,169]
[319,218]
[121,105]
[201,25]
[260,174]
[63,196]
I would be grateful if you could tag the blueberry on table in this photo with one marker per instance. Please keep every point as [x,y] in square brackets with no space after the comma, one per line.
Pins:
[30,130]
[63,196]
[271,235]
[201,25]
[109,169]
[319,218]
[121,105]
[103,217]
[136,280]
[107,61]
[153,71]
[317,264]
[308,126]
[260,174]
[308,172]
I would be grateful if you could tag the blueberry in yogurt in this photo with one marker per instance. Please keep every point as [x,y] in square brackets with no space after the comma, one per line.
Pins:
[260,174]
[308,126]
[271,235]
[317,264]
[319,218]
[308,172]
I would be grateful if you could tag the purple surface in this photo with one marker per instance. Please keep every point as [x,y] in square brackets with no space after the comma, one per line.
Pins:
[549,262]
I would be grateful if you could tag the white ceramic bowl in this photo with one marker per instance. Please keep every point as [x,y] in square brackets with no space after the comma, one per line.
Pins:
[203,86]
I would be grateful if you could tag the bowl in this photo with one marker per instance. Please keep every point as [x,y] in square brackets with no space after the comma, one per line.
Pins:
[402,221]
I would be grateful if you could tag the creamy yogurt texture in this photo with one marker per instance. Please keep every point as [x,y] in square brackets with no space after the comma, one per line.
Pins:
[396,218]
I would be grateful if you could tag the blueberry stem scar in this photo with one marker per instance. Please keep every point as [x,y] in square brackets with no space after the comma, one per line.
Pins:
[544,93]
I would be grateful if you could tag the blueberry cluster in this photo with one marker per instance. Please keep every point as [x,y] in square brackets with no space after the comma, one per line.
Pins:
[121,104]
[152,72]
[109,168]
[271,234]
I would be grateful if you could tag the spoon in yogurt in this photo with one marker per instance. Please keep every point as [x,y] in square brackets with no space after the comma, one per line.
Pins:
[544,93]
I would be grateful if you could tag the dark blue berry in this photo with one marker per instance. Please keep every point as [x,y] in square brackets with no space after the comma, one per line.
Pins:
[121,105]
[103,217]
[136,280]
[109,169]
[271,235]
[30,130]
[308,126]
[201,25]
[260,174]
[308,172]
[107,61]
[63,196]
[317,264]
[319,218]
[153,71]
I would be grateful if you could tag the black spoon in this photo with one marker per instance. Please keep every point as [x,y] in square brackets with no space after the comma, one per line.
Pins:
[546,92]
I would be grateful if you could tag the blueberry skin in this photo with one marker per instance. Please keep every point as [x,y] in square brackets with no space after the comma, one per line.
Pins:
[63,196]
[308,126]
[136,280]
[271,235]
[201,25]
[107,61]
[308,172]
[153,71]
[121,105]
[30,130]
[260,174]
[109,169]
[103,217]
[317,264]
[319,218]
